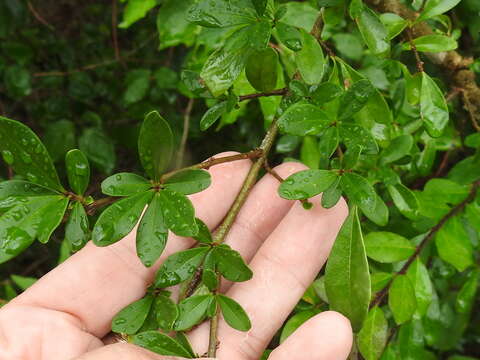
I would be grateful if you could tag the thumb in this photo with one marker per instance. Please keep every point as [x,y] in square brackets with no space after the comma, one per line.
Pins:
[125,351]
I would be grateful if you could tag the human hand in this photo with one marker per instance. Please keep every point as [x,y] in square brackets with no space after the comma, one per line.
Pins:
[67,313]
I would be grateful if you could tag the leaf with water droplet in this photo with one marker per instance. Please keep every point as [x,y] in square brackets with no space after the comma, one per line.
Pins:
[306,184]
[359,191]
[155,144]
[213,114]
[303,119]
[178,213]
[262,69]
[355,98]
[192,311]
[433,107]
[290,36]
[310,60]
[160,344]
[189,181]
[77,229]
[131,318]
[353,135]
[116,221]
[152,233]
[78,171]
[204,235]
[219,13]
[125,184]
[233,313]
[178,267]
[166,311]
[30,159]
[230,264]
[14,192]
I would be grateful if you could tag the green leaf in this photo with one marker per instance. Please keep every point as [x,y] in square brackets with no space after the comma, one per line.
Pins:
[23,282]
[136,10]
[290,36]
[231,264]
[260,6]
[325,92]
[172,24]
[119,219]
[332,195]
[204,235]
[77,232]
[433,107]
[453,244]
[15,192]
[160,344]
[152,233]
[262,69]
[303,119]
[310,60]
[183,340]
[372,338]
[233,313]
[394,23]
[309,153]
[125,184]
[166,312]
[137,83]
[359,191]
[373,31]
[420,279]
[432,43]
[98,148]
[180,266]
[380,214]
[401,299]
[295,322]
[218,13]
[209,276]
[327,146]
[354,135]
[131,318]
[306,184]
[466,296]
[351,157]
[398,148]
[347,278]
[355,98]
[188,181]
[192,311]
[178,213]
[212,115]
[18,81]
[23,151]
[387,247]
[59,137]
[78,171]
[405,200]
[155,144]
[436,7]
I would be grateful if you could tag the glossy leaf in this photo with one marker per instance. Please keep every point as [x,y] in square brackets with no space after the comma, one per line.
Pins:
[99,149]
[218,13]
[347,277]
[436,7]
[354,135]
[332,195]
[372,338]
[116,221]
[290,36]
[432,43]
[422,284]
[131,318]
[77,232]
[453,244]
[401,299]
[303,119]
[233,313]
[14,192]
[179,267]
[78,171]
[152,233]
[327,145]
[212,115]
[160,344]
[404,199]
[262,69]
[388,247]
[204,235]
[23,151]
[188,181]
[295,322]
[433,107]
[136,10]
[309,153]
[359,191]
[398,148]
[155,144]
[394,23]
[466,296]
[192,311]
[325,92]
[355,99]
[260,6]
[166,312]
[178,213]
[231,264]
[125,184]
[373,31]
[310,60]
[306,184]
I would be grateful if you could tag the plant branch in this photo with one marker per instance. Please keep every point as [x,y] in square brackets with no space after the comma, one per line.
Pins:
[454,211]
[415,51]
[114,30]
[212,340]
[37,16]
[186,128]
[97,204]
[279,92]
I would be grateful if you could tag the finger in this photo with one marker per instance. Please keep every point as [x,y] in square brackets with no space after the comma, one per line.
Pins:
[327,336]
[124,351]
[283,268]
[96,283]
[261,214]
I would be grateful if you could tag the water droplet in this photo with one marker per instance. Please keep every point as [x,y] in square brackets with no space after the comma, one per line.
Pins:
[32,177]
[118,177]
[27,159]
[81,169]
[8,157]
[24,142]
[120,321]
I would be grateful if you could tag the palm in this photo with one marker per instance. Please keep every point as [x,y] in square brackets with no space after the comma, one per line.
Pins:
[69,311]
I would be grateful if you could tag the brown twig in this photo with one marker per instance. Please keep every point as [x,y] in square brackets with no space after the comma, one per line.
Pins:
[37,16]
[415,51]
[272,172]
[114,30]
[186,127]
[454,211]
[97,204]
[279,92]
[443,165]
[471,112]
